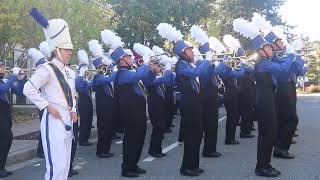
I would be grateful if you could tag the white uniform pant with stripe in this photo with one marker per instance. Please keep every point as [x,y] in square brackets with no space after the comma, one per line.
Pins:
[56,143]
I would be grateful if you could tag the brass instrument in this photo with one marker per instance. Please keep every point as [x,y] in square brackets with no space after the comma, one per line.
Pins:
[90,73]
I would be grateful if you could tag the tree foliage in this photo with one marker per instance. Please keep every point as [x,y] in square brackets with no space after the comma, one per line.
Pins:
[134,20]
[86,18]
[228,10]
[138,19]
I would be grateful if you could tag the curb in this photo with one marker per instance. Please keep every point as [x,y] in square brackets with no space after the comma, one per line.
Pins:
[28,153]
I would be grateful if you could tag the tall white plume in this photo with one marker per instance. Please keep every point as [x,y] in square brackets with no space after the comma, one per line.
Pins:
[232,43]
[143,51]
[169,32]
[279,32]
[157,50]
[96,48]
[245,28]
[199,34]
[297,44]
[83,57]
[261,22]
[35,54]
[110,38]
[216,45]
[45,49]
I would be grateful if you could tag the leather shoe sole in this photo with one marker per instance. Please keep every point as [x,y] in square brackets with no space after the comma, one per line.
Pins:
[129,174]
[188,173]
[212,155]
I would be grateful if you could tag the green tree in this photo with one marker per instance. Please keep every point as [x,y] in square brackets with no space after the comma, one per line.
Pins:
[86,18]
[228,10]
[138,19]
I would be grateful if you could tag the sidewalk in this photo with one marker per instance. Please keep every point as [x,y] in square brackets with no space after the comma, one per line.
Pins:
[23,150]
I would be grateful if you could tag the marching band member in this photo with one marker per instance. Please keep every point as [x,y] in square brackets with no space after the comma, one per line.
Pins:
[246,103]
[209,97]
[245,87]
[131,100]
[188,82]
[286,96]
[156,103]
[6,136]
[168,89]
[57,97]
[85,106]
[105,102]
[230,98]
[265,76]
[39,58]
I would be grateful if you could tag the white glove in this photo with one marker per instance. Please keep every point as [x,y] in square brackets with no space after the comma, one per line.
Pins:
[16,71]
[82,71]
[216,63]
[243,61]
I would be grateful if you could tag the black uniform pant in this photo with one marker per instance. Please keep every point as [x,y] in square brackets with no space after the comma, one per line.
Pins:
[158,117]
[267,126]
[40,148]
[231,104]
[192,126]
[105,124]
[181,132]
[246,112]
[287,114]
[74,143]
[133,111]
[5,132]
[169,105]
[86,115]
[210,119]
[119,122]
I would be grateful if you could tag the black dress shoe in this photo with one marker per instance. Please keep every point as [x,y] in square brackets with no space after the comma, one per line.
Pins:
[104,155]
[198,170]
[157,155]
[115,136]
[172,125]
[232,142]
[212,154]
[187,172]
[129,174]
[3,174]
[9,172]
[168,131]
[246,135]
[85,143]
[278,153]
[293,141]
[295,135]
[40,155]
[72,172]
[139,170]
[267,172]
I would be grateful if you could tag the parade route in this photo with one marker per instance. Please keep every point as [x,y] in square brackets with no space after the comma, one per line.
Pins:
[237,162]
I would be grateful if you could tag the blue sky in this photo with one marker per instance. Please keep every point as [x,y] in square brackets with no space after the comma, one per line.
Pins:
[305,15]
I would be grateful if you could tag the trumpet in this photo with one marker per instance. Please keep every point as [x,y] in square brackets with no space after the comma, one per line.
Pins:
[91,72]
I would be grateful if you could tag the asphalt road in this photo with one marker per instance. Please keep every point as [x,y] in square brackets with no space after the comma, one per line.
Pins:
[237,162]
